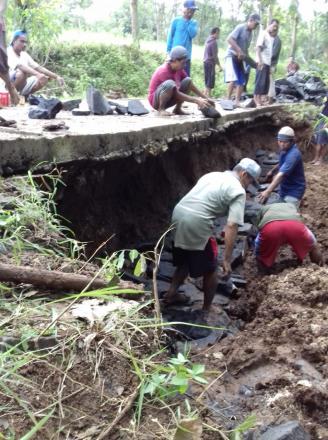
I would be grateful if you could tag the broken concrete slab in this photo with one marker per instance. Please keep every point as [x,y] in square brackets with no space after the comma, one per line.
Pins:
[109,137]
[287,431]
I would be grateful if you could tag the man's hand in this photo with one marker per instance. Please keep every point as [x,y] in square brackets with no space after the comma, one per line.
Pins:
[226,270]
[263,197]
[203,103]
[60,81]
[259,66]
[211,101]
[241,55]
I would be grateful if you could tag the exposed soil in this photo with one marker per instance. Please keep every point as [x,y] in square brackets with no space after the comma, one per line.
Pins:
[275,368]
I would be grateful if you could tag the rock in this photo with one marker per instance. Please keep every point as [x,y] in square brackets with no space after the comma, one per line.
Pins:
[98,105]
[260,153]
[246,229]
[136,108]
[71,104]
[246,391]
[287,431]
[218,355]
[249,103]
[210,112]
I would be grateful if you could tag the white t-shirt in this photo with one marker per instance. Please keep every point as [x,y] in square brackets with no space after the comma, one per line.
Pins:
[265,42]
[23,59]
[214,195]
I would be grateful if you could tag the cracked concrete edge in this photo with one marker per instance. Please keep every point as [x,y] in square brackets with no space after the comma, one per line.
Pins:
[35,152]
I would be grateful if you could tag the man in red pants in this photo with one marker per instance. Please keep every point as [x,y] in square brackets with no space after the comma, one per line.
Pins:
[280,224]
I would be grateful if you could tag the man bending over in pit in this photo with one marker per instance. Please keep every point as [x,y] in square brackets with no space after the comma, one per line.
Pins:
[26,75]
[280,224]
[170,86]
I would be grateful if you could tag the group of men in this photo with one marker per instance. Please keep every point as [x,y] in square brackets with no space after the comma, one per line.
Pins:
[219,194]
[238,62]
[19,72]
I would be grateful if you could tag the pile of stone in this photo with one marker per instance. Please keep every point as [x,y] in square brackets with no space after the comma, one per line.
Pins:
[301,87]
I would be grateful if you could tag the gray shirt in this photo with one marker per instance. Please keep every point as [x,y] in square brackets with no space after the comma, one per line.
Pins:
[214,195]
[243,37]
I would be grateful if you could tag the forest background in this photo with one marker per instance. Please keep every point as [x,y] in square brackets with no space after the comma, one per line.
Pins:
[120,49]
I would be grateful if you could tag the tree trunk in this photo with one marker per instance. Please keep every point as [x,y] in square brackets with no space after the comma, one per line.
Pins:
[53,280]
[294,36]
[134,21]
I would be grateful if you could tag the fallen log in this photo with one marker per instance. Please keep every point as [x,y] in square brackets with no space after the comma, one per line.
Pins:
[53,280]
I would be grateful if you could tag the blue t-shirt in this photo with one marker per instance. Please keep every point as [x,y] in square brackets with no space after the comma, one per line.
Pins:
[181,33]
[291,165]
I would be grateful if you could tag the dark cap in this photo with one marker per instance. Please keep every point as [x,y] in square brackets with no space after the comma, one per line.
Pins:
[190,4]
[255,17]
[178,53]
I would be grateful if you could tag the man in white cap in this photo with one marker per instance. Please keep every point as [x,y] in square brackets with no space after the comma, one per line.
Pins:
[170,86]
[195,252]
[289,172]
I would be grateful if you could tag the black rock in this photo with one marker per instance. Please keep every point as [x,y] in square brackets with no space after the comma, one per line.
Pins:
[210,112]
[71,104]
[246,229]
[136,108]
[45,109]
[260,153]
[78,112]
[98,105]
[287,431]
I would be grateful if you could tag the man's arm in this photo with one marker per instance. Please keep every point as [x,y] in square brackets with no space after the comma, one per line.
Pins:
[50,74]
[170,36]
[273,185]
[235,47]
[230,234]
[192,28]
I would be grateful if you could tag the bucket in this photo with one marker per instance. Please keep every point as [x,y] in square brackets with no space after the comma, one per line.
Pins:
[4,99]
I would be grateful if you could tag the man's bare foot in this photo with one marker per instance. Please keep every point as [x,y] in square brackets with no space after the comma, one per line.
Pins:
[180,112]
[318,162]
[164,113]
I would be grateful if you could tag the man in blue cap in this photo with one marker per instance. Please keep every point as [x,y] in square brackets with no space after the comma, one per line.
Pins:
[26,74]
[289,172]
[183,30]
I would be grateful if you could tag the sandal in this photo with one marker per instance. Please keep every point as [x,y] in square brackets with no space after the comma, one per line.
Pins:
[178,299]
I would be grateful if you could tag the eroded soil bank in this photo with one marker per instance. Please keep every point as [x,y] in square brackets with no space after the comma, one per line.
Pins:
[132,199]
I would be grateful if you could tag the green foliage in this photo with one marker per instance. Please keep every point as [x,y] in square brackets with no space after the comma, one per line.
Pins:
[105,66]
[174,378]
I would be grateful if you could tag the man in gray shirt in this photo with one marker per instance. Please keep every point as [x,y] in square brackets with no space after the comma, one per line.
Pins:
[237,55]
[195,250]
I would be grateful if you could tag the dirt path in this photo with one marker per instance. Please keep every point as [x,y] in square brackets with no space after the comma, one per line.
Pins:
[278,366]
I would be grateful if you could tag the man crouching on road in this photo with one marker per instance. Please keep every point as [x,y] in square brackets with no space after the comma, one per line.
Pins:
[195,251]
[170,86]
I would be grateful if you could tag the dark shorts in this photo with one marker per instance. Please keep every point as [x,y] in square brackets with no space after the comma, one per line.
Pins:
[198,262]
[209,74]
[262,81]
[321,134]
[169,85]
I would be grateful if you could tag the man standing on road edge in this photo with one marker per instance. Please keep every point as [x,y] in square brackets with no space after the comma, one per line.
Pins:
[183,30]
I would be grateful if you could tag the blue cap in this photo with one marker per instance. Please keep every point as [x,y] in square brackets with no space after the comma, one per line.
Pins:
[18,33]
[190,4]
